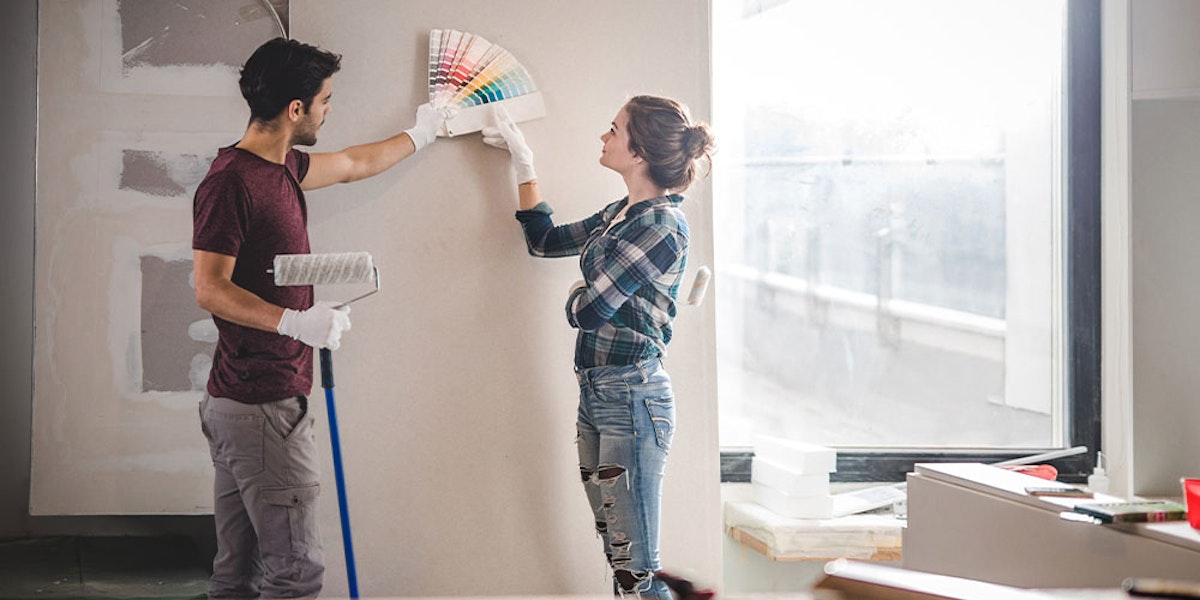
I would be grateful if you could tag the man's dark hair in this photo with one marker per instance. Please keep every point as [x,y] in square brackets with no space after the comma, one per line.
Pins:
[283,70]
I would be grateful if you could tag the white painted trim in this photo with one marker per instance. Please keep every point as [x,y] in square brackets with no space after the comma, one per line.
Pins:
[1116,367]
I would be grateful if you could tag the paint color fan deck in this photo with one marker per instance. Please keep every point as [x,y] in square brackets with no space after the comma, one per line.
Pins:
[471,75]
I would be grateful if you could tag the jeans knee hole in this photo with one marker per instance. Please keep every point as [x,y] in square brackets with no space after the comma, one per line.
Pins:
[610,473]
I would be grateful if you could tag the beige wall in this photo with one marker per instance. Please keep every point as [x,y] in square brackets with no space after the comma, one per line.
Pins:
[457,378]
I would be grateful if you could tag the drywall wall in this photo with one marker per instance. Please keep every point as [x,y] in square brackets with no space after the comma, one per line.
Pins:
[455,392]
[132,109]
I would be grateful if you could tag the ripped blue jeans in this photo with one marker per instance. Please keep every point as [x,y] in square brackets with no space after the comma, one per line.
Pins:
[625,425]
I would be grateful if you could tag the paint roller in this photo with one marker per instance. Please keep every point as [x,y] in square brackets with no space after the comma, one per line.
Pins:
[699,286]
[322,269]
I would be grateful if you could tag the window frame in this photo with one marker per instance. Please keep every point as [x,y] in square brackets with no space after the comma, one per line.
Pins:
[1082,292]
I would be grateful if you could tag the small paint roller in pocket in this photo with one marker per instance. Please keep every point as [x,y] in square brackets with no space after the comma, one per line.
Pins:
[321,269]
[699,286]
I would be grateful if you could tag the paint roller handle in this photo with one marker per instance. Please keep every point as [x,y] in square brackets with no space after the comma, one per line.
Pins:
[320,326]
[327,368]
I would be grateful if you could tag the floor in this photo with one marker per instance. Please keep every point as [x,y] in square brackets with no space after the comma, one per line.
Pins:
[171,568]
[81,568]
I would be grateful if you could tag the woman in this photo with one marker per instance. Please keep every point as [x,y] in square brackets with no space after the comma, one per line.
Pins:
[633,253]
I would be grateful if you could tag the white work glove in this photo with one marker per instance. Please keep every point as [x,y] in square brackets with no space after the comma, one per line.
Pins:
[429,120]
[505,134]
[320,326]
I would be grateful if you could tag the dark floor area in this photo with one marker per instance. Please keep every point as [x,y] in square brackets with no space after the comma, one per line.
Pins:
[60,568]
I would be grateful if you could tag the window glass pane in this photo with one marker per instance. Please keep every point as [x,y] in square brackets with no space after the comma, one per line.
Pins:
[888,219]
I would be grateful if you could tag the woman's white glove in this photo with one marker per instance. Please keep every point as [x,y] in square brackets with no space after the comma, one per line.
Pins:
[320,326]
[505,134]
[429,121]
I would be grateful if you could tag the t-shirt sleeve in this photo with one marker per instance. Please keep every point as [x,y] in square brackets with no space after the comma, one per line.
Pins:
[220,214]
[302,160]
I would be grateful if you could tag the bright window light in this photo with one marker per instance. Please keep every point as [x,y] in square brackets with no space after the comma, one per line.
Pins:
[889,209]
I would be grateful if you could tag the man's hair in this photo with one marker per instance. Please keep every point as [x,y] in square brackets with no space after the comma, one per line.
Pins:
[283,70]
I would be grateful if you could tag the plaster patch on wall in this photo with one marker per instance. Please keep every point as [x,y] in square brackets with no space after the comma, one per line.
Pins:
[187,32]
[153,327]
[203,330]
[170,356]
[149,169]
[184,47]
[161,173]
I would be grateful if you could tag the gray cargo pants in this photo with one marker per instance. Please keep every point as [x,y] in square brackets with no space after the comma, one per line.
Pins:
[265,498]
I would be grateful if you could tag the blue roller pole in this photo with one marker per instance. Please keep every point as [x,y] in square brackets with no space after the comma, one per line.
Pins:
[347,544]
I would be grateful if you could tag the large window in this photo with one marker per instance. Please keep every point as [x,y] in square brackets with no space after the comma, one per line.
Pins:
[906,203]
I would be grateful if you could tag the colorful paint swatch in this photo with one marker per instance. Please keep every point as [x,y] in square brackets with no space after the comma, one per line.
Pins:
[467,71]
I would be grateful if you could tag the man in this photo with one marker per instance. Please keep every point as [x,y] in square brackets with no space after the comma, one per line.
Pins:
[249,208]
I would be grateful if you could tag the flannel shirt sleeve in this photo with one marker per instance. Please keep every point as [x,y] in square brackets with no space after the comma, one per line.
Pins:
[637,259]
[545,239]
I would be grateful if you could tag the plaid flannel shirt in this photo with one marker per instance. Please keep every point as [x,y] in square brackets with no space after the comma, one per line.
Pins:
[631,273]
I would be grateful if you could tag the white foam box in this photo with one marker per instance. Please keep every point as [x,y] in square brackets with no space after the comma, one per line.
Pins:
[795,507]
[799,457]
[780,477]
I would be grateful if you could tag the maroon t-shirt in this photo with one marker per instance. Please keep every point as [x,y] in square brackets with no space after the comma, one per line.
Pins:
[252,209]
